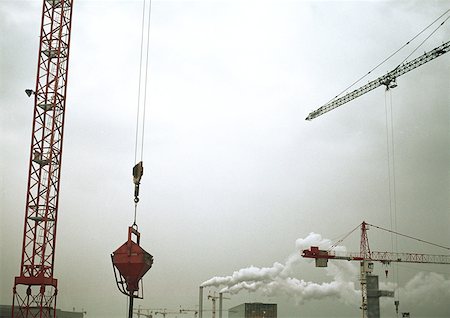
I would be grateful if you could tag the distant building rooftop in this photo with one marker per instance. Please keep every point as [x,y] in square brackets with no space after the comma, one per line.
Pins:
[253,310]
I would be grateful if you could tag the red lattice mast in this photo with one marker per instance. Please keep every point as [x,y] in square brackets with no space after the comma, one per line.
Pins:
[35,289]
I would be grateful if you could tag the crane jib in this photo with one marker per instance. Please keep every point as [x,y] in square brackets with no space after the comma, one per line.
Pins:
[383,80]
[384,257]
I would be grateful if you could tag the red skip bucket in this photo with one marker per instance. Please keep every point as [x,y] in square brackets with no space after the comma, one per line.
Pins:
[132,262]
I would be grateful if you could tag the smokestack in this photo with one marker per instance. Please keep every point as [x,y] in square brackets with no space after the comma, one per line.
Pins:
[200,303]
[220,304]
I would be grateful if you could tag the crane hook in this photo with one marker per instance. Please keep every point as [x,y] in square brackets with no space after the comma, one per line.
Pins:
[138,171]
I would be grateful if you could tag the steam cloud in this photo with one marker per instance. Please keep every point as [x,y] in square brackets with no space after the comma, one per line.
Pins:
[278,280]
[423,288]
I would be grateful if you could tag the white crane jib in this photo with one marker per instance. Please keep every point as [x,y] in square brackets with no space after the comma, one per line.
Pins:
[387,80]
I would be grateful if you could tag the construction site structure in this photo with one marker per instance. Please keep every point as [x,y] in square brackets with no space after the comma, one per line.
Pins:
[152,312]
[195,311]
[366,257]
[388,80]
[166,312]
[373,296]
[35,289]
[213,299]
[149,311]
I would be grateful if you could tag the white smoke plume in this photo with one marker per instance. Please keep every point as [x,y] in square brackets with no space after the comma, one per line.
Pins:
[278,280]
[428,288]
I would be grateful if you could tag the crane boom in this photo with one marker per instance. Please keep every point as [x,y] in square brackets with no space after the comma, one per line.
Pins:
[386,80]
[383,257]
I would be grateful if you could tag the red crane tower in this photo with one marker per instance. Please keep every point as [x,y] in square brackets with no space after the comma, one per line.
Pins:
[366,257]
[35,289]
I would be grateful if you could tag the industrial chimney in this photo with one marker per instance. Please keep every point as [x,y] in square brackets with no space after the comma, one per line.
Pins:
[200,303]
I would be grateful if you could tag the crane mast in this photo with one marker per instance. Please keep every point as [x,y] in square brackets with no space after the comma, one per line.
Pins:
[35,289]
[388,80]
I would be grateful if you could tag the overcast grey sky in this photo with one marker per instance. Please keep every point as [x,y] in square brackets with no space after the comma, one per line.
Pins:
[234,175]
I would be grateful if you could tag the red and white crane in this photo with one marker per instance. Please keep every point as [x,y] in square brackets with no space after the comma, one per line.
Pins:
[35,289]
[366,257]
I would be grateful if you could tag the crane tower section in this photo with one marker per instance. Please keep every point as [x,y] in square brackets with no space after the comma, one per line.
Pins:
[35,289]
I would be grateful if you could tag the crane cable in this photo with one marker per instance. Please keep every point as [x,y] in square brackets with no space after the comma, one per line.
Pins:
[391,163]
[391,145]
[138,169]
[421,43]
[411,237]
[392,183]
[394,53]
[343,238]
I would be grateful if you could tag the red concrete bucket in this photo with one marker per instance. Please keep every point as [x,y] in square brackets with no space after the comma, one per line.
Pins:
[132,262]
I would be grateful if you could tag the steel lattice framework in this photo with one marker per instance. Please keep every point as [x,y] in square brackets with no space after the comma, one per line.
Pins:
[386,80]
[366,257]
[35,289]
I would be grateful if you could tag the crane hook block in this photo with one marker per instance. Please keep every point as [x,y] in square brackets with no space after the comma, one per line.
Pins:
[138,171]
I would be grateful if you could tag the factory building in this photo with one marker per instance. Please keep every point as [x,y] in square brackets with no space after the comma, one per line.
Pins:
[5,312]
[253,310]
